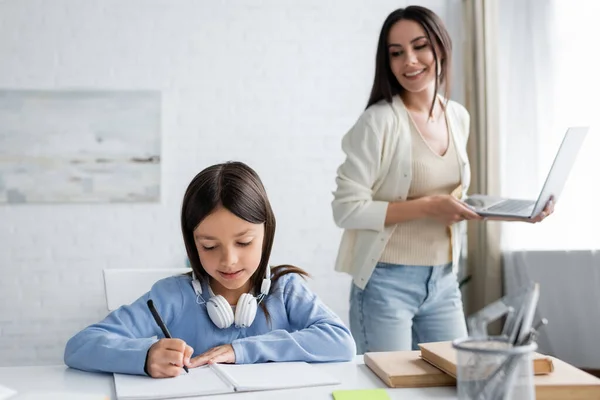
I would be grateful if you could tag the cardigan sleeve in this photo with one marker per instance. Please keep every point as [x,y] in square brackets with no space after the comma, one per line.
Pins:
[353,205]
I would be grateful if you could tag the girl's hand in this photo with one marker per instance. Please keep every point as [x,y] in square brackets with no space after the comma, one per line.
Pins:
[167,357]
[449,210]
[219,354]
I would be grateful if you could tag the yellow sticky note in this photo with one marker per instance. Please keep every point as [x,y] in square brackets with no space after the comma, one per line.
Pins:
[361,394]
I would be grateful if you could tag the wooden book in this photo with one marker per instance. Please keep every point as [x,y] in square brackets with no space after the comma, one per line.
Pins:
[566,382]
[406,369]
[554,380]
[443,356]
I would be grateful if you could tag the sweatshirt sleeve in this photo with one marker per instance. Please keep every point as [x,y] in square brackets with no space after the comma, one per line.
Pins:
[316,334]
[353,205]
[119,343]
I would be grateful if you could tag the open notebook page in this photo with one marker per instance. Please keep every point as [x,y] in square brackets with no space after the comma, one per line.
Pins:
[200,381]
[50,395]
[271,376]
[5,392]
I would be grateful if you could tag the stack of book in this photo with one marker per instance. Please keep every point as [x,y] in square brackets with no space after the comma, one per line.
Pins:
[435,365]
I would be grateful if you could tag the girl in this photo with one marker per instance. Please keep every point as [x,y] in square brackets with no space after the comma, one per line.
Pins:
[228,229]
[399,189]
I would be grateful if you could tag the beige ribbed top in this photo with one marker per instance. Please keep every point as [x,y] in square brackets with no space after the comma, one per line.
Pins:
[425,241]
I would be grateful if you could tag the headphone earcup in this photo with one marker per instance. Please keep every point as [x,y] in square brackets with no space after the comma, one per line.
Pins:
[219,312]
[245,310]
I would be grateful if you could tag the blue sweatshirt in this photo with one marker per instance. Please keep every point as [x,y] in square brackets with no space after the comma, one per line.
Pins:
[302,329]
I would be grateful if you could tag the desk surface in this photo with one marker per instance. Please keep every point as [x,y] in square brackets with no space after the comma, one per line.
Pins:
[353,375]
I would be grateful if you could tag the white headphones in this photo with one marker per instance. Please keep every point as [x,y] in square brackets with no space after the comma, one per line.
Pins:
[221,313]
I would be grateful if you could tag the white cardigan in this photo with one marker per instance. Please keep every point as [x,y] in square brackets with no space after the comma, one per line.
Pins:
[377,171]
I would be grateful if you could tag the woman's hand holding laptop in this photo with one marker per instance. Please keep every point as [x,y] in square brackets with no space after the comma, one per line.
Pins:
[448,210]
[548,210]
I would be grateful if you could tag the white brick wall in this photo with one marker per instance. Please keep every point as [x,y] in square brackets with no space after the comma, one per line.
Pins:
[275,83]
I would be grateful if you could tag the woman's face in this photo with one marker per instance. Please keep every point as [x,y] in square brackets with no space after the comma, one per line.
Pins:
[411,56]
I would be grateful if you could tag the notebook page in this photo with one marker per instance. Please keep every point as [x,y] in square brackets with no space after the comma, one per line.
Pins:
[200,381]
[5,392]
[47,395]
[275,375]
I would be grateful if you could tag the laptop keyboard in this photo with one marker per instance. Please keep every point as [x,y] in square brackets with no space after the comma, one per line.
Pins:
[510,206]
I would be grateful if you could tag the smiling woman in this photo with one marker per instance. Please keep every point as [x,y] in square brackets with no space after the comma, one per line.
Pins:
[399,189]
[400,192]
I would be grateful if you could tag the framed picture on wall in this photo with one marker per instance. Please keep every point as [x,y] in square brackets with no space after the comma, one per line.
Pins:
[79,146]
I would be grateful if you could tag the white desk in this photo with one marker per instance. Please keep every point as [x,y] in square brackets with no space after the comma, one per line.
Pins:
[353,375]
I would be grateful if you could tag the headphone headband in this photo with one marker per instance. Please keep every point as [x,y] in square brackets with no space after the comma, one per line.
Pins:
[266,283]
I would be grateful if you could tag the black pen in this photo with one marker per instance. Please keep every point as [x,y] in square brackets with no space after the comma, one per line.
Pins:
[161,324]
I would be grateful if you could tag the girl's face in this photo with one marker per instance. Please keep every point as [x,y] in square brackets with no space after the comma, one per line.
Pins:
[230,249]
[411,56]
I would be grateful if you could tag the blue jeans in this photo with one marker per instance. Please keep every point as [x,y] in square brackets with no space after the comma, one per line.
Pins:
[404,305]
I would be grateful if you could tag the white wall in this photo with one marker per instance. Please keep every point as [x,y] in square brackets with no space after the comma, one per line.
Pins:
[273,83]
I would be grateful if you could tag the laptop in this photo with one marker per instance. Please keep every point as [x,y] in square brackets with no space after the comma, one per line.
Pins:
[489,206]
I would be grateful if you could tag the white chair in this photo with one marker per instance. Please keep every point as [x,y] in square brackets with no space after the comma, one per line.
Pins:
[124,286]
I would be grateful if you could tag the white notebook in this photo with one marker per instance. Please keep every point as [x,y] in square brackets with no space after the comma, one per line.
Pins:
[49,395]
[222,378]
[6,393]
